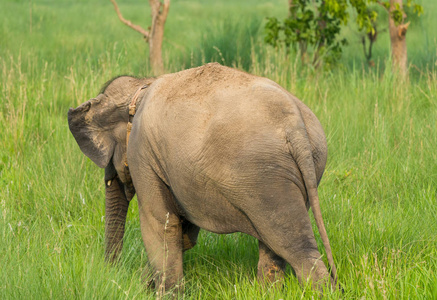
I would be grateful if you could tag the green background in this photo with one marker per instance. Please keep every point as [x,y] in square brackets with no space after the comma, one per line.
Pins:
[378,193]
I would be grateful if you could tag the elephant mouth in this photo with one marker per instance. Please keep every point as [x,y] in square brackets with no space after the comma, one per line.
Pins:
[129,191]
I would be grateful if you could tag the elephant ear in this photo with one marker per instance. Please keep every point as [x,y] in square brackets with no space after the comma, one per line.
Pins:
[95,141]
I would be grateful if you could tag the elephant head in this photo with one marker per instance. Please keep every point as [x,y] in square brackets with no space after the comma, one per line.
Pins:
[99,127]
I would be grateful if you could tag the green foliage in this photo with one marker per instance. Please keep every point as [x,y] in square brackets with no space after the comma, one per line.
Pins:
[397,15]
[314,26]
[310,28]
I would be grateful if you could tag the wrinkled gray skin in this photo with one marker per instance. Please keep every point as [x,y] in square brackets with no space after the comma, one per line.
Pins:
[212,148]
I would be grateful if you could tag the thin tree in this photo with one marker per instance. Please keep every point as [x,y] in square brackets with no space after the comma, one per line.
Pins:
[155,35]
[398,31]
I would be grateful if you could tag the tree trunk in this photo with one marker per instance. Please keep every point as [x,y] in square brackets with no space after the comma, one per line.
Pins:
[156,36]
[398,40]
[116,207]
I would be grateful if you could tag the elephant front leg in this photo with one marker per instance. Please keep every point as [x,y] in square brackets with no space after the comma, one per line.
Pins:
[116,207]
[270,266]
[161,229]
[162,236]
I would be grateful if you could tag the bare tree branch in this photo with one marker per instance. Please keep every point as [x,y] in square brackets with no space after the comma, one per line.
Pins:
[141,30]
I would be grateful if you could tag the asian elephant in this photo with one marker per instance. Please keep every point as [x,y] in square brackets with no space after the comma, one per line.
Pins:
[214,148]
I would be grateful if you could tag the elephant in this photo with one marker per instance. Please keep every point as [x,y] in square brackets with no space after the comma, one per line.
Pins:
[215,148]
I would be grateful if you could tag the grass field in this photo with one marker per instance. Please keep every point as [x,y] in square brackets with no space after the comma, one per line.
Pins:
[378,193]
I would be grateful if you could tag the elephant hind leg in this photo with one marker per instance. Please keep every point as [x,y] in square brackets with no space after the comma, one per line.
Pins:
[271,267]
[289,234]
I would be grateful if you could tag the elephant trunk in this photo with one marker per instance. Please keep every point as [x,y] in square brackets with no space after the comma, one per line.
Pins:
[116,207]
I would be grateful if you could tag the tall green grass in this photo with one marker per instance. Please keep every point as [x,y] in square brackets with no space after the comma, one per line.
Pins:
[378,192]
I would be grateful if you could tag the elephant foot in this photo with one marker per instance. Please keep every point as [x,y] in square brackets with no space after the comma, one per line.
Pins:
[313,271]
[166,290]
[270,267]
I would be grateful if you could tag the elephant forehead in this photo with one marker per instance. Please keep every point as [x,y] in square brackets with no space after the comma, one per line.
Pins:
[120,89]
[118,84]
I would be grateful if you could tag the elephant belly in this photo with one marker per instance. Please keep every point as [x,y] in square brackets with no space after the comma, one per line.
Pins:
[212,210]
[225,199]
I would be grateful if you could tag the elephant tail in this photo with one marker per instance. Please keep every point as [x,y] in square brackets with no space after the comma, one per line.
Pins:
[300,148]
